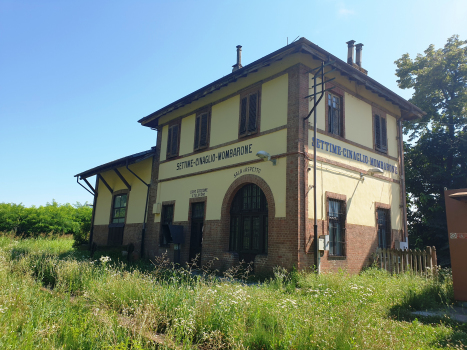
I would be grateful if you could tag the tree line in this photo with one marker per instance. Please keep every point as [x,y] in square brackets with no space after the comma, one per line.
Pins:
[53,219]
[436,145]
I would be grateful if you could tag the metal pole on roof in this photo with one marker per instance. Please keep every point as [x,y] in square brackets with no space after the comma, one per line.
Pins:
[317,72]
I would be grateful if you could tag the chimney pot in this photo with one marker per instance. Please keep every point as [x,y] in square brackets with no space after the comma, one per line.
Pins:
[238,65]
[350,51]
[359,54]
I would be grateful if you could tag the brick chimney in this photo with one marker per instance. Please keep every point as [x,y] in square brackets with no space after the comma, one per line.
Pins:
[350,46]
[359,55]
[238,65]
[350,55]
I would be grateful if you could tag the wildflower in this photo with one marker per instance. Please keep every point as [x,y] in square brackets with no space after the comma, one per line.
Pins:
[104,259]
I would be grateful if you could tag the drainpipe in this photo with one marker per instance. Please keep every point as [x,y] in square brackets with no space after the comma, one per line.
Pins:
[402,179]
[94,203]
[143,233]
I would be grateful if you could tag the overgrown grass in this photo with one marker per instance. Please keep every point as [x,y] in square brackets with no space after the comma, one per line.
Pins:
[99,304]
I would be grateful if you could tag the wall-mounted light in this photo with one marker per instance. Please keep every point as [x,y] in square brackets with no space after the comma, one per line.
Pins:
[371,172]
[265,156]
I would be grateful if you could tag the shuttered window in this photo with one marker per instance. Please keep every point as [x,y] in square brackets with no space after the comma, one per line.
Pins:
[201,131]
[249,111]
[336,217]
[384,236]
[166,219]
[335,118]
[172,141]
[381,137]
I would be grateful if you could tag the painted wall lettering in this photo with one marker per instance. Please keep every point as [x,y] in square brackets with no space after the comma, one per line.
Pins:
[350,154]
[247,169]
[200,192]
[211,158]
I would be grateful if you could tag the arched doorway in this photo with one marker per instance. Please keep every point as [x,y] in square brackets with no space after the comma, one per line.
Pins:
[249,223]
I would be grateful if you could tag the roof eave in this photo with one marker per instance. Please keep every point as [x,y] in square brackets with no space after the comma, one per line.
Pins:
[303,45]
[131,159]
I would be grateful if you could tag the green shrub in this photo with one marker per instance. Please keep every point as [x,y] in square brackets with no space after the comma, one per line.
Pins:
[51,219]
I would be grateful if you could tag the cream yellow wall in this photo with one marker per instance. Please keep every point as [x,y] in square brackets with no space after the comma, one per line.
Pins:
[103,205]
[217,182]
[187,135]
[225,116]
[224,121]
[359,90]
[137,196]
[273,143]
[233,88]
[274,102]
[347,161]
[320,117]
[392,135]
[358,121]
[361,195]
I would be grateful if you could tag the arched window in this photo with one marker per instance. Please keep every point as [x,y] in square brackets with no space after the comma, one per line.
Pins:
[249,223]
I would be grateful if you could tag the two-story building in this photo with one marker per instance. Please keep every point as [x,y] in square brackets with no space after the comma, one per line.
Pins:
[233,169]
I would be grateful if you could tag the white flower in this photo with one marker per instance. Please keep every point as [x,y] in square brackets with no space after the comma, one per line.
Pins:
[104,259]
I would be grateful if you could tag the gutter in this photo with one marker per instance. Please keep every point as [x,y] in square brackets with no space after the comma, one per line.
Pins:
[94,203]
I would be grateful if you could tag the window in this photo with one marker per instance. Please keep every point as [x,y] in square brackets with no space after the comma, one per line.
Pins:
[381,142]
[201,131]
[119,209]
[172,141]
[336,227]
[249,113]
[384,237]
[166,219]
[335,119]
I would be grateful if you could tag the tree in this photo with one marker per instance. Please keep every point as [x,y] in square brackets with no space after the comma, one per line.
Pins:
[436,151]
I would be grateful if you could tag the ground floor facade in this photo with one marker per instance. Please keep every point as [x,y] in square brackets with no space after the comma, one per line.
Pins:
[253,211]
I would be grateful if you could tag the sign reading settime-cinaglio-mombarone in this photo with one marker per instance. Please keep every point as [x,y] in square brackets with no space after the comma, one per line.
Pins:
[350,154]
[215,157]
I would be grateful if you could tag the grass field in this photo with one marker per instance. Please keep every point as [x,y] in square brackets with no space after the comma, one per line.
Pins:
[55,297]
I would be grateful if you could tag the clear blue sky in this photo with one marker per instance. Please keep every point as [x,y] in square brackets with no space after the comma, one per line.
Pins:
[75,76]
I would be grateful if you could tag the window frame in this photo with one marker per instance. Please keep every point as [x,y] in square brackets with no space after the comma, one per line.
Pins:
[161,236]
[246,94]
[338,92]
[238,212]
[343,200]
[387,208]
[169,153]
[199,116]
[383,122]
[112,207]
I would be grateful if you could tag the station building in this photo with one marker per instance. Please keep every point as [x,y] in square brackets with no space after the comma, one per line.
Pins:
[232,172]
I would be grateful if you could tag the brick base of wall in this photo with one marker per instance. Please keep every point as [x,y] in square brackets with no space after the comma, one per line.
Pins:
[132,233]
[100,234]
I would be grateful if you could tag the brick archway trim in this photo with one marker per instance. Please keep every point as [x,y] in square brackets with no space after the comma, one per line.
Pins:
[237,185]
[230,195]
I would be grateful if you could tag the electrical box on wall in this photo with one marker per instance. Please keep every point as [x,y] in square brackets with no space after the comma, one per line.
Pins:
[156,208]
[323,242]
